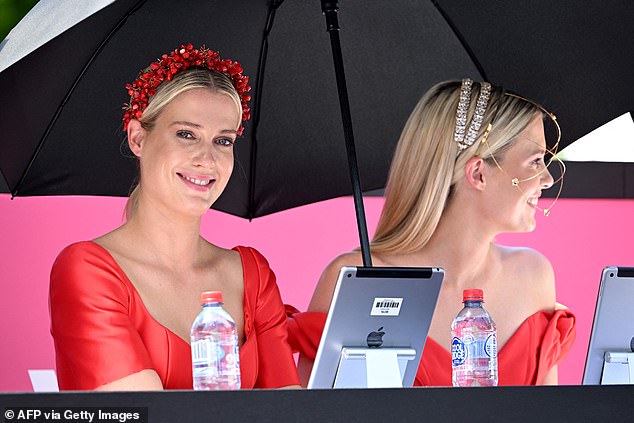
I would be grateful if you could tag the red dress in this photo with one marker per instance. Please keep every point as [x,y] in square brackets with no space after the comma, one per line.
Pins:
[103,332]
[541,342]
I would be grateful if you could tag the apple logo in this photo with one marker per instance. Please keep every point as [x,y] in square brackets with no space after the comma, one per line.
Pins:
[375,338]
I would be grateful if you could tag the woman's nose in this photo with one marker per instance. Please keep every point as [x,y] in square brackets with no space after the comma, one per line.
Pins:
[204,156]
[547,179]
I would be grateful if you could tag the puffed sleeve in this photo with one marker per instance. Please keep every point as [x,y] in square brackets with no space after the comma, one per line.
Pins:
[276,366]
[558,337]
[95,341]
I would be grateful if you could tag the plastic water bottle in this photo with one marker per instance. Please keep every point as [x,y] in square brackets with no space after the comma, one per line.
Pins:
[474,356]
[214,343]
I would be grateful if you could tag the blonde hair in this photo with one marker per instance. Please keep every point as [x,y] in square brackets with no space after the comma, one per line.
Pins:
[427,162]
[215,81]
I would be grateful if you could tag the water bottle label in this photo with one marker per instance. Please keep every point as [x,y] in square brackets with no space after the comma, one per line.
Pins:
[205,351]
[491,346]
[458,351]
[468,339]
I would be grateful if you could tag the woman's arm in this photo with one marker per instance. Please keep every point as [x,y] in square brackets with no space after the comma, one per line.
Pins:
[275,364]
[145,380]
[304,367]
[544,296]
[96,343]
[552,377]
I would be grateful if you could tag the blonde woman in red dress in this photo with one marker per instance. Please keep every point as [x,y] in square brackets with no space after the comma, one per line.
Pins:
[122,305]
[470,164]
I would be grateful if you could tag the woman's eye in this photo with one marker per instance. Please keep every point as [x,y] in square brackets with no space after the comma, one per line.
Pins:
[538,161]
[227,142]
[185,135]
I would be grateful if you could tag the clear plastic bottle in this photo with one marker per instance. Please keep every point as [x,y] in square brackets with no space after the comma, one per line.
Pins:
[474,357]
[214,344]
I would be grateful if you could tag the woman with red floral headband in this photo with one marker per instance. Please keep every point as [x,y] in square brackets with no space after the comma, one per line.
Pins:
[122,305]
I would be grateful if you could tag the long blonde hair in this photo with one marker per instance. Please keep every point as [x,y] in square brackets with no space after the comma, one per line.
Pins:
[427,162]
[217,82]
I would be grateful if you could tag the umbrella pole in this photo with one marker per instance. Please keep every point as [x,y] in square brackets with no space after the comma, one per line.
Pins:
[330,10]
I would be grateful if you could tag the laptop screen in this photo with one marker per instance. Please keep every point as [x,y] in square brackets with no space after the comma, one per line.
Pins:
[378,308]
[612,328]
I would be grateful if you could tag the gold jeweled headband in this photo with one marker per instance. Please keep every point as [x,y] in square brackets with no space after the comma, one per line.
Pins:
[465,141]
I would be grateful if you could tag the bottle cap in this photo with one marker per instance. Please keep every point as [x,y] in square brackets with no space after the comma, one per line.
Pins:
[211,297]
[474,294]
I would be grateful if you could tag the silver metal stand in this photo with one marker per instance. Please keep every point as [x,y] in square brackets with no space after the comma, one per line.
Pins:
[372,367]
[618,368]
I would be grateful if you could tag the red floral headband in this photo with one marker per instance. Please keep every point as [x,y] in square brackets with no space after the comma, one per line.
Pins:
[178,60]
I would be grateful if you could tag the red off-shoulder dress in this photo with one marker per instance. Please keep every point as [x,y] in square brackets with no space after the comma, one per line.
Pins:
[103,332]
[541,342]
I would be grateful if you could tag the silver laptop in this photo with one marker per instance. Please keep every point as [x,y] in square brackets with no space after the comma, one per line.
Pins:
[375,308]
[612,334]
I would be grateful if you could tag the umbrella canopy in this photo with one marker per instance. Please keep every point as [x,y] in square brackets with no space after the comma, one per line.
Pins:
[292,152]
[60,128]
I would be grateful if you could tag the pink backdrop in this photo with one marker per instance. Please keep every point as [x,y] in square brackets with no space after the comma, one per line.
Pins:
[580,238]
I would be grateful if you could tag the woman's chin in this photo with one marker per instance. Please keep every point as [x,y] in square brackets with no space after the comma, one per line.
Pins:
[529,226]
[197,208]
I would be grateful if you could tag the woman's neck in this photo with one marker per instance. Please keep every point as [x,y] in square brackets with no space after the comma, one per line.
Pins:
[462,244]
[170,239]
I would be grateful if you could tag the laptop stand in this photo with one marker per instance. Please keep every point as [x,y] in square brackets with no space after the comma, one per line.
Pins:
[372,367]
[618,368]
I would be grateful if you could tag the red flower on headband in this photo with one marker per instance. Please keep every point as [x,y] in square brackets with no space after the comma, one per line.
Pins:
[178,60]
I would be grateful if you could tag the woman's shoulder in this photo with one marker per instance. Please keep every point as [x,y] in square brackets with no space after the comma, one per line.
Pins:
[248,262]
[529,272]
[85,269]
[242,252]
[351,258]
[79,252]
[326,285]
[524,259]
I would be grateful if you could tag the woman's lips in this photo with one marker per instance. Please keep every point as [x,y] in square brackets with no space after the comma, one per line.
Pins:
[197,182]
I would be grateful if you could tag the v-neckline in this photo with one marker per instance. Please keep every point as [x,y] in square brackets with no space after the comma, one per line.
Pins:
[145,310]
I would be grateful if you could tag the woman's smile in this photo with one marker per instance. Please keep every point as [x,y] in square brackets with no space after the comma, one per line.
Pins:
[197,182]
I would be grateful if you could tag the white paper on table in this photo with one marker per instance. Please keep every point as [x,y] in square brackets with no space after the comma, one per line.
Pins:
[44,380]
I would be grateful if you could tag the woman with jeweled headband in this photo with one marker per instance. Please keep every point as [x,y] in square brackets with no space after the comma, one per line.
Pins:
[471,163]
[122,305]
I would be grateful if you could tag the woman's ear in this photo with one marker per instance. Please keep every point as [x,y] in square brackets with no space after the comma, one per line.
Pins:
[474,171]
[136,137]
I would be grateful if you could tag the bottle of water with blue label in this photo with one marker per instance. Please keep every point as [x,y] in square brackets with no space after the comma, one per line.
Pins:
[474,358]
[214,343]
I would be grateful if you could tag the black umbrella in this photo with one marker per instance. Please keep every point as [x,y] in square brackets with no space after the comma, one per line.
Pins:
[68,93]
[60,123]
[70,90]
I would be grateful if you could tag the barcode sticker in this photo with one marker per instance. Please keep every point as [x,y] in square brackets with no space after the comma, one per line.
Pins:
[386,307]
